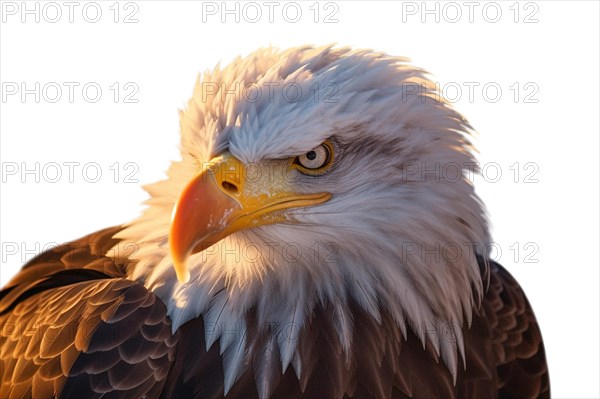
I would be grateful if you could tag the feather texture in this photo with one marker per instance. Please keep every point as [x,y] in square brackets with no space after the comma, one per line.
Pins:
[383,291]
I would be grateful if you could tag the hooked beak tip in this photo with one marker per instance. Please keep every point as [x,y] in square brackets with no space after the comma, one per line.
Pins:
[180,266]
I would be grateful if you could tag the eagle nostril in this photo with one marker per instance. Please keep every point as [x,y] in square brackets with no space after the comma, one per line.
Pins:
[229,187]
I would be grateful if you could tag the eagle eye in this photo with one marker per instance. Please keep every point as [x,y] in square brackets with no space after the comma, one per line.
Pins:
[315,161]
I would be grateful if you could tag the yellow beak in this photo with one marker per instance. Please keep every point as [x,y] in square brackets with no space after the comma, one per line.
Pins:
[224,199]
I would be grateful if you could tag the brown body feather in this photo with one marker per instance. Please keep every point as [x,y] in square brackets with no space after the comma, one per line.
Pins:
[74,326]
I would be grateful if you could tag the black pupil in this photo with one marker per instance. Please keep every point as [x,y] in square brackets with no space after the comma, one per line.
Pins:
[311,155]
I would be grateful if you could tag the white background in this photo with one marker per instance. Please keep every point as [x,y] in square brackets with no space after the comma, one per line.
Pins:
[552,47]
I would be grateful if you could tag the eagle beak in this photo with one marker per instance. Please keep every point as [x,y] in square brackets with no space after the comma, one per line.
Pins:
[226,198]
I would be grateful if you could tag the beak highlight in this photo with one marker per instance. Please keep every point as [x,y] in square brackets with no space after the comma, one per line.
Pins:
[224,199]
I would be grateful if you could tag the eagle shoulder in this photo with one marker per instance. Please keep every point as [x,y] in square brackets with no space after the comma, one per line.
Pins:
[74,326]
[522,370]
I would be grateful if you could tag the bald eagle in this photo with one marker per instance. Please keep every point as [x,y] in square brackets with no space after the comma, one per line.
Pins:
[319,238]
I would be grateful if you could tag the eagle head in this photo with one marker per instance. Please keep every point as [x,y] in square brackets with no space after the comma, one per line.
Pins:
[315,177]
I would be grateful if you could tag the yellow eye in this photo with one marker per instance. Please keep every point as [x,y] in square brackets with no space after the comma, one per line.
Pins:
[316,160]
